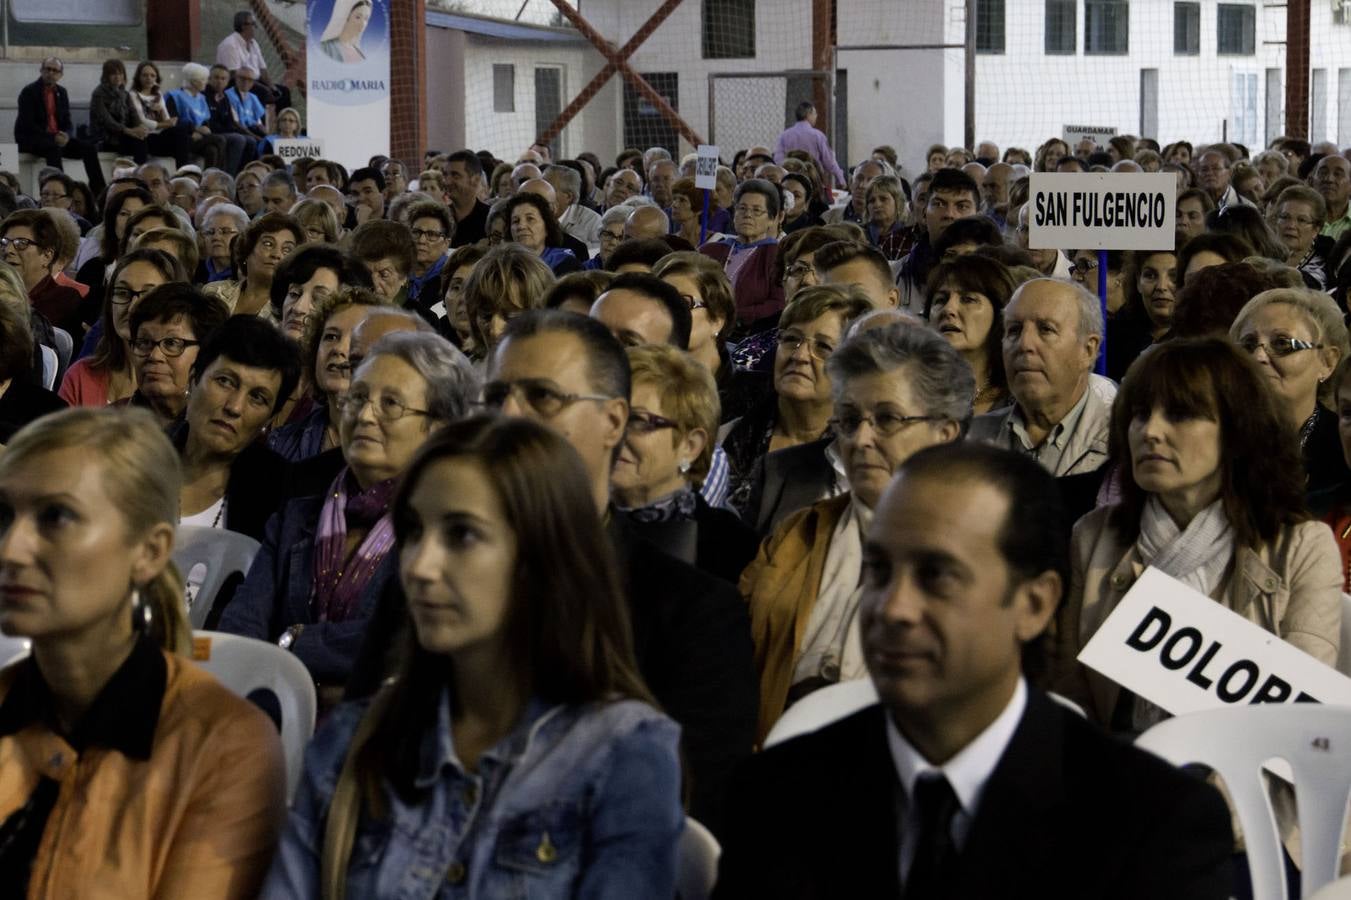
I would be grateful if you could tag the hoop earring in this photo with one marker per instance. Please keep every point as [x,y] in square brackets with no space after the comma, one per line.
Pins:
[141,613]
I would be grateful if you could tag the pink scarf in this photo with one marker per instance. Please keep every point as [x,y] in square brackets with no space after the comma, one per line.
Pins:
[339,582]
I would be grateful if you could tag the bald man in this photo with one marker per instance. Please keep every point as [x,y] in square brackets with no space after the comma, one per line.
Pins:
[523,173]
[646,223]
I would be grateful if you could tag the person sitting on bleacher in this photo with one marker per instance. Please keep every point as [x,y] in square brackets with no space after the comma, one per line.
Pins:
[247,107]
[325,558]
[517,732]
[106,723]
[43,126]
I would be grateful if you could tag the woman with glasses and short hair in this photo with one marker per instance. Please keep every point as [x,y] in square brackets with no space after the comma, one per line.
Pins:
[326,559]
[168,326]
[895,391]
[798,410]
[749,257]
[667,449]
[1300,215]
[1297,337]
[257,252]
[108,375]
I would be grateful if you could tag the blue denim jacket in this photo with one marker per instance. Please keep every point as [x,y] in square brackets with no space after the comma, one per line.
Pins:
[578,801]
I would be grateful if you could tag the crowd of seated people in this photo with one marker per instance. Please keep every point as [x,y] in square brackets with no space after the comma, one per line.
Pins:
[566,487]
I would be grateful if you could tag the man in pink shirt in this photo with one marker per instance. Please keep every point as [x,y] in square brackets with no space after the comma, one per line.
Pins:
[804,136]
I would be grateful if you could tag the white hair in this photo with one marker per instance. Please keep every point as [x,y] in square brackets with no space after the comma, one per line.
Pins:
[195,72]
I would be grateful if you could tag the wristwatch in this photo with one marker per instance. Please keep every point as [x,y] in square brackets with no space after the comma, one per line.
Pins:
[288,637]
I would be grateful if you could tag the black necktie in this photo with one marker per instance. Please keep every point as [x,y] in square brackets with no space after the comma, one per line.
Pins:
[935,804]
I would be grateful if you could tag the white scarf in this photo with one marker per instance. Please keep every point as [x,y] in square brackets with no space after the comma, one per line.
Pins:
[831,646]
[1198,556]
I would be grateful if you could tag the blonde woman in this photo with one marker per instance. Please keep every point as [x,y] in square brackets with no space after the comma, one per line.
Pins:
[125,766]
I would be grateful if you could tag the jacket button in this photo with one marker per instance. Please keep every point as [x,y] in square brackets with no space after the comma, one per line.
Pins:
[455,874]
[546,852]
[1270,584]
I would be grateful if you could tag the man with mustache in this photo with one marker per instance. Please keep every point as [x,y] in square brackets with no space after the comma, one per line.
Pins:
[966,781]
[1052,331]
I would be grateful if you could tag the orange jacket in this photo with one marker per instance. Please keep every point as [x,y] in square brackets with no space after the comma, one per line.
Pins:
[200,818]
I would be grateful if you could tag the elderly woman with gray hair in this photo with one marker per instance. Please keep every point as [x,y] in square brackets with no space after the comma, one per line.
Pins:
[897,390]
[189,105]
[325,559]
[1297,337]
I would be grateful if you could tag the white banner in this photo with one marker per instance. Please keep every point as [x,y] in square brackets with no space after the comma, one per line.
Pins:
[1103,211]
[706,168]
[1098,134]
[347,56]
[291,149]
[1184,652]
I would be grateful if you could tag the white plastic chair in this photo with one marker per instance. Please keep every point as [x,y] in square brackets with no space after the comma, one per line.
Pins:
[50,364]
[696,862]
[65,346]
[245,665]
[1312,739]
[12,648]
[206,558]
[1344,649]
[821,707]
[1335,890]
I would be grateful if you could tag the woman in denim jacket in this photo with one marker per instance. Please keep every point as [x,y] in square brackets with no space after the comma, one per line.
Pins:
[516,753]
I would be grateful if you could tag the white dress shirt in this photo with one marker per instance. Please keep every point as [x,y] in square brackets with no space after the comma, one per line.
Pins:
[234,52]
[967,772]
[583,224]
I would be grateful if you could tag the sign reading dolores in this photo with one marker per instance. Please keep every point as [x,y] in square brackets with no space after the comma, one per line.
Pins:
[1105,211]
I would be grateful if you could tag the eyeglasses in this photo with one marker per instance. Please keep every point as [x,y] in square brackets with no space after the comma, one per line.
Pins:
[1083,267]
[753,211]
[1287,218]
[818,349]
[1277,346]
[884,423]
[387,407]
[643,422]
[56,69]
[19,244]
[48,195]
[612,235]
[219,232]
[122,296]
[170,346]
[538,395]
[423,235]
[799,270]
[693,302]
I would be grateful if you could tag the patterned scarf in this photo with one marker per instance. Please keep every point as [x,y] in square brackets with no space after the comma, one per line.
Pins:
[340,581]
[679,506]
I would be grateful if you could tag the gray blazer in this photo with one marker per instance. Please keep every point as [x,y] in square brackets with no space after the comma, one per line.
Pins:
[1085,448]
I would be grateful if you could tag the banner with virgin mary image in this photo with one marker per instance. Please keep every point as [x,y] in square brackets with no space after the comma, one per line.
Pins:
[347,57]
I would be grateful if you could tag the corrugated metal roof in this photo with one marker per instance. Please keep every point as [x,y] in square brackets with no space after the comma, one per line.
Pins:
[502,29]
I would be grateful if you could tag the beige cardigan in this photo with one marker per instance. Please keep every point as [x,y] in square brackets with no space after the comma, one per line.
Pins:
[1292,588]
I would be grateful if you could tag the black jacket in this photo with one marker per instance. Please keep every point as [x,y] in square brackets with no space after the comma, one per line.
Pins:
[714,541]
[30,126]
[1068,812]
[257,487]
[788,480]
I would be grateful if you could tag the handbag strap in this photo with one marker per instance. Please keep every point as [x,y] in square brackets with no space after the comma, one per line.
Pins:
[344,810]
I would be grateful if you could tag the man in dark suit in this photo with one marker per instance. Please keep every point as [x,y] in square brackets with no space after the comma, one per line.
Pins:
[43,125]
[964,782]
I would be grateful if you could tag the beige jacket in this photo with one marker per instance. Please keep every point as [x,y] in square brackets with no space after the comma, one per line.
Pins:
[1292,588]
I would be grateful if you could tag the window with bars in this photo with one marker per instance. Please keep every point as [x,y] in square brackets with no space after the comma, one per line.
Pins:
[989,26]
[728,29]
[504,87]
[1187,29]
[1236,29]
[1106,27]
[1061,22]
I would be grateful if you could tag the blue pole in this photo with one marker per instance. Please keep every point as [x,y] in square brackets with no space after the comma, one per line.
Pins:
[1101,367]
[703,223]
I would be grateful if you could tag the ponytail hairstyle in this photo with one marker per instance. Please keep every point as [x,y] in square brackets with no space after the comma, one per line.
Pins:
[144,490]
